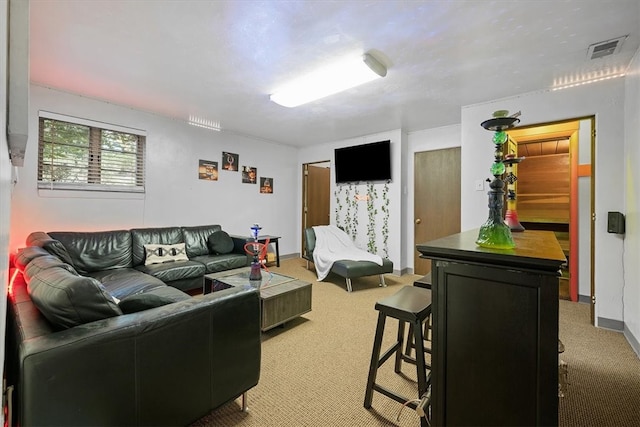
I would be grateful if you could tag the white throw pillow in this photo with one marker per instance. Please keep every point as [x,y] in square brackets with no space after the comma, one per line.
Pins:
[156,254]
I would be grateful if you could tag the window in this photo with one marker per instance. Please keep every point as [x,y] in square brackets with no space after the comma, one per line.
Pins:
[76,154]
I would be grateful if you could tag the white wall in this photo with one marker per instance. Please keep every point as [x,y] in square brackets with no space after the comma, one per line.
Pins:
[174,194]
[631,284]
[605,100]
[403,185]
[322,152]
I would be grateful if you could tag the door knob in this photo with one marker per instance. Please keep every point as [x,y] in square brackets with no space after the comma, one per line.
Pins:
[418,221]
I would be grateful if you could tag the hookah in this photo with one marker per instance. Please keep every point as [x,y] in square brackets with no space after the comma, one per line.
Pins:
[495,233]
[256,266]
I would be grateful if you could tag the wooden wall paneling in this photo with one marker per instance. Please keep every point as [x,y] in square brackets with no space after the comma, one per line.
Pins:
[544,189]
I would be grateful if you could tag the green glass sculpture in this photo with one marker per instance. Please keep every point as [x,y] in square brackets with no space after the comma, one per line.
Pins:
[495,233]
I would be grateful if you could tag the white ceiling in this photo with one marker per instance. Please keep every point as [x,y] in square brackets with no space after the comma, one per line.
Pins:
[220,60]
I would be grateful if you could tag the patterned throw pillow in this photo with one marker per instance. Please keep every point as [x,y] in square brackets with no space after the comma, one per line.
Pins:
[156,254]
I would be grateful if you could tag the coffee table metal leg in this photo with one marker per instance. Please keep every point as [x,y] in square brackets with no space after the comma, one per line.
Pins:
[382,282]
[245,408]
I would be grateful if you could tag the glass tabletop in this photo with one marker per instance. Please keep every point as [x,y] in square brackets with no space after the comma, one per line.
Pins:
[242,278]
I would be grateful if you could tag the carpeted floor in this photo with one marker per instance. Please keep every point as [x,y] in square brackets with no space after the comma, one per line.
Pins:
[314,368]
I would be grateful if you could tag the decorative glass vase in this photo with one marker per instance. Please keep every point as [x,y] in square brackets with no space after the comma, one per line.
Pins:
[495,233]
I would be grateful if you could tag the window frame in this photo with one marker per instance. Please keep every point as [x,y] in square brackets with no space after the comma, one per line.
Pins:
[94,167]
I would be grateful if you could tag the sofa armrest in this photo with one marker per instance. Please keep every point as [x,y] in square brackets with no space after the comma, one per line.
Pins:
[238,244]
[168,365]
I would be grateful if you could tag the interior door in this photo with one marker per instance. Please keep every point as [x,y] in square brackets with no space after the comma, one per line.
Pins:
[315,196]
[436,199]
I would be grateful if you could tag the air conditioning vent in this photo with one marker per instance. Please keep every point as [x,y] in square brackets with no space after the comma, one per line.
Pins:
[605,48]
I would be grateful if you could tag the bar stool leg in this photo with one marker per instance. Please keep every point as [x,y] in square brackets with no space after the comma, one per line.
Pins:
[375,360]
[409,345]
[420,361]
[399,340]
[421,371]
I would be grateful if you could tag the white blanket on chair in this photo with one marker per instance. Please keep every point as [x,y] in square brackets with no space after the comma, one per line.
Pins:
[333,244]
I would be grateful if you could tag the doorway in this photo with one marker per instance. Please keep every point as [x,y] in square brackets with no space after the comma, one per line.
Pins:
[436,211]
[556,192]
[316,191]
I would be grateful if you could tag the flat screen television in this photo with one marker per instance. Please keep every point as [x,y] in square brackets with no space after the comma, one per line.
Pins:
[366,162]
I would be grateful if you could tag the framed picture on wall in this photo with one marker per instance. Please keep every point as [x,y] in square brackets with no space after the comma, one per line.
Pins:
[229,161]
[249,174]
[208,170]
[266,185]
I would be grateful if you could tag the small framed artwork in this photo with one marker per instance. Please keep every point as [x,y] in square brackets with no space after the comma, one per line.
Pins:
[229,161]
[266,185]
[249,175]
[208,170]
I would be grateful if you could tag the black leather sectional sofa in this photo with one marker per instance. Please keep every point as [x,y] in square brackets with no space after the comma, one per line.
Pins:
[101,332]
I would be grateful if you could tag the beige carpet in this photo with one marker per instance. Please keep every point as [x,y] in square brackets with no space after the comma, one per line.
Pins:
[314,369]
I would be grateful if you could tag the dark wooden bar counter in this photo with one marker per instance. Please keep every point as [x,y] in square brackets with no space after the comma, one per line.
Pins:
[495,330]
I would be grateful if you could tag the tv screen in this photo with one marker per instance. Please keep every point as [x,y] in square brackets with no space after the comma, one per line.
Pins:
[367,162]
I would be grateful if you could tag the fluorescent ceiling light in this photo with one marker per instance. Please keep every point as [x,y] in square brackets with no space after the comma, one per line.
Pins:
[335,78]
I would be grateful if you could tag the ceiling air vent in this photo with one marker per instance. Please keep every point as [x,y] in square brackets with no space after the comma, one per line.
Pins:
[605,48]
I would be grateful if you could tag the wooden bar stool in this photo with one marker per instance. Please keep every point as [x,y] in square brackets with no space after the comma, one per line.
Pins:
[411,305]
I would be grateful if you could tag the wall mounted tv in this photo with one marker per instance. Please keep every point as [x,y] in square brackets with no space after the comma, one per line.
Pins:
[366,162]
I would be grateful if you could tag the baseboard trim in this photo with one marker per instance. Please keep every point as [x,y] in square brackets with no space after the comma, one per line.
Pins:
[614,325]
[586,299]
[633,342]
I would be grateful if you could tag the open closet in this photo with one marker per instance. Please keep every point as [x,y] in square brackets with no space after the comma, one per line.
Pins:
[544,193]
[554,192]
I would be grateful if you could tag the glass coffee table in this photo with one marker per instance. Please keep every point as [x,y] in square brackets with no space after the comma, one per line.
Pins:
[282,298]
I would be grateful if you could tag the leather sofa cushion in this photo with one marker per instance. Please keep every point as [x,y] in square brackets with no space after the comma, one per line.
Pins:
[349,268]
[26,255]
[157,235]
[215,263]
[196,238]
[53,246]
[154,298]
[141,302]
[96,250]
[44,262]
[124,282]
[175,295]
[219,242]
[69,300]
[169,271]
[37,238]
